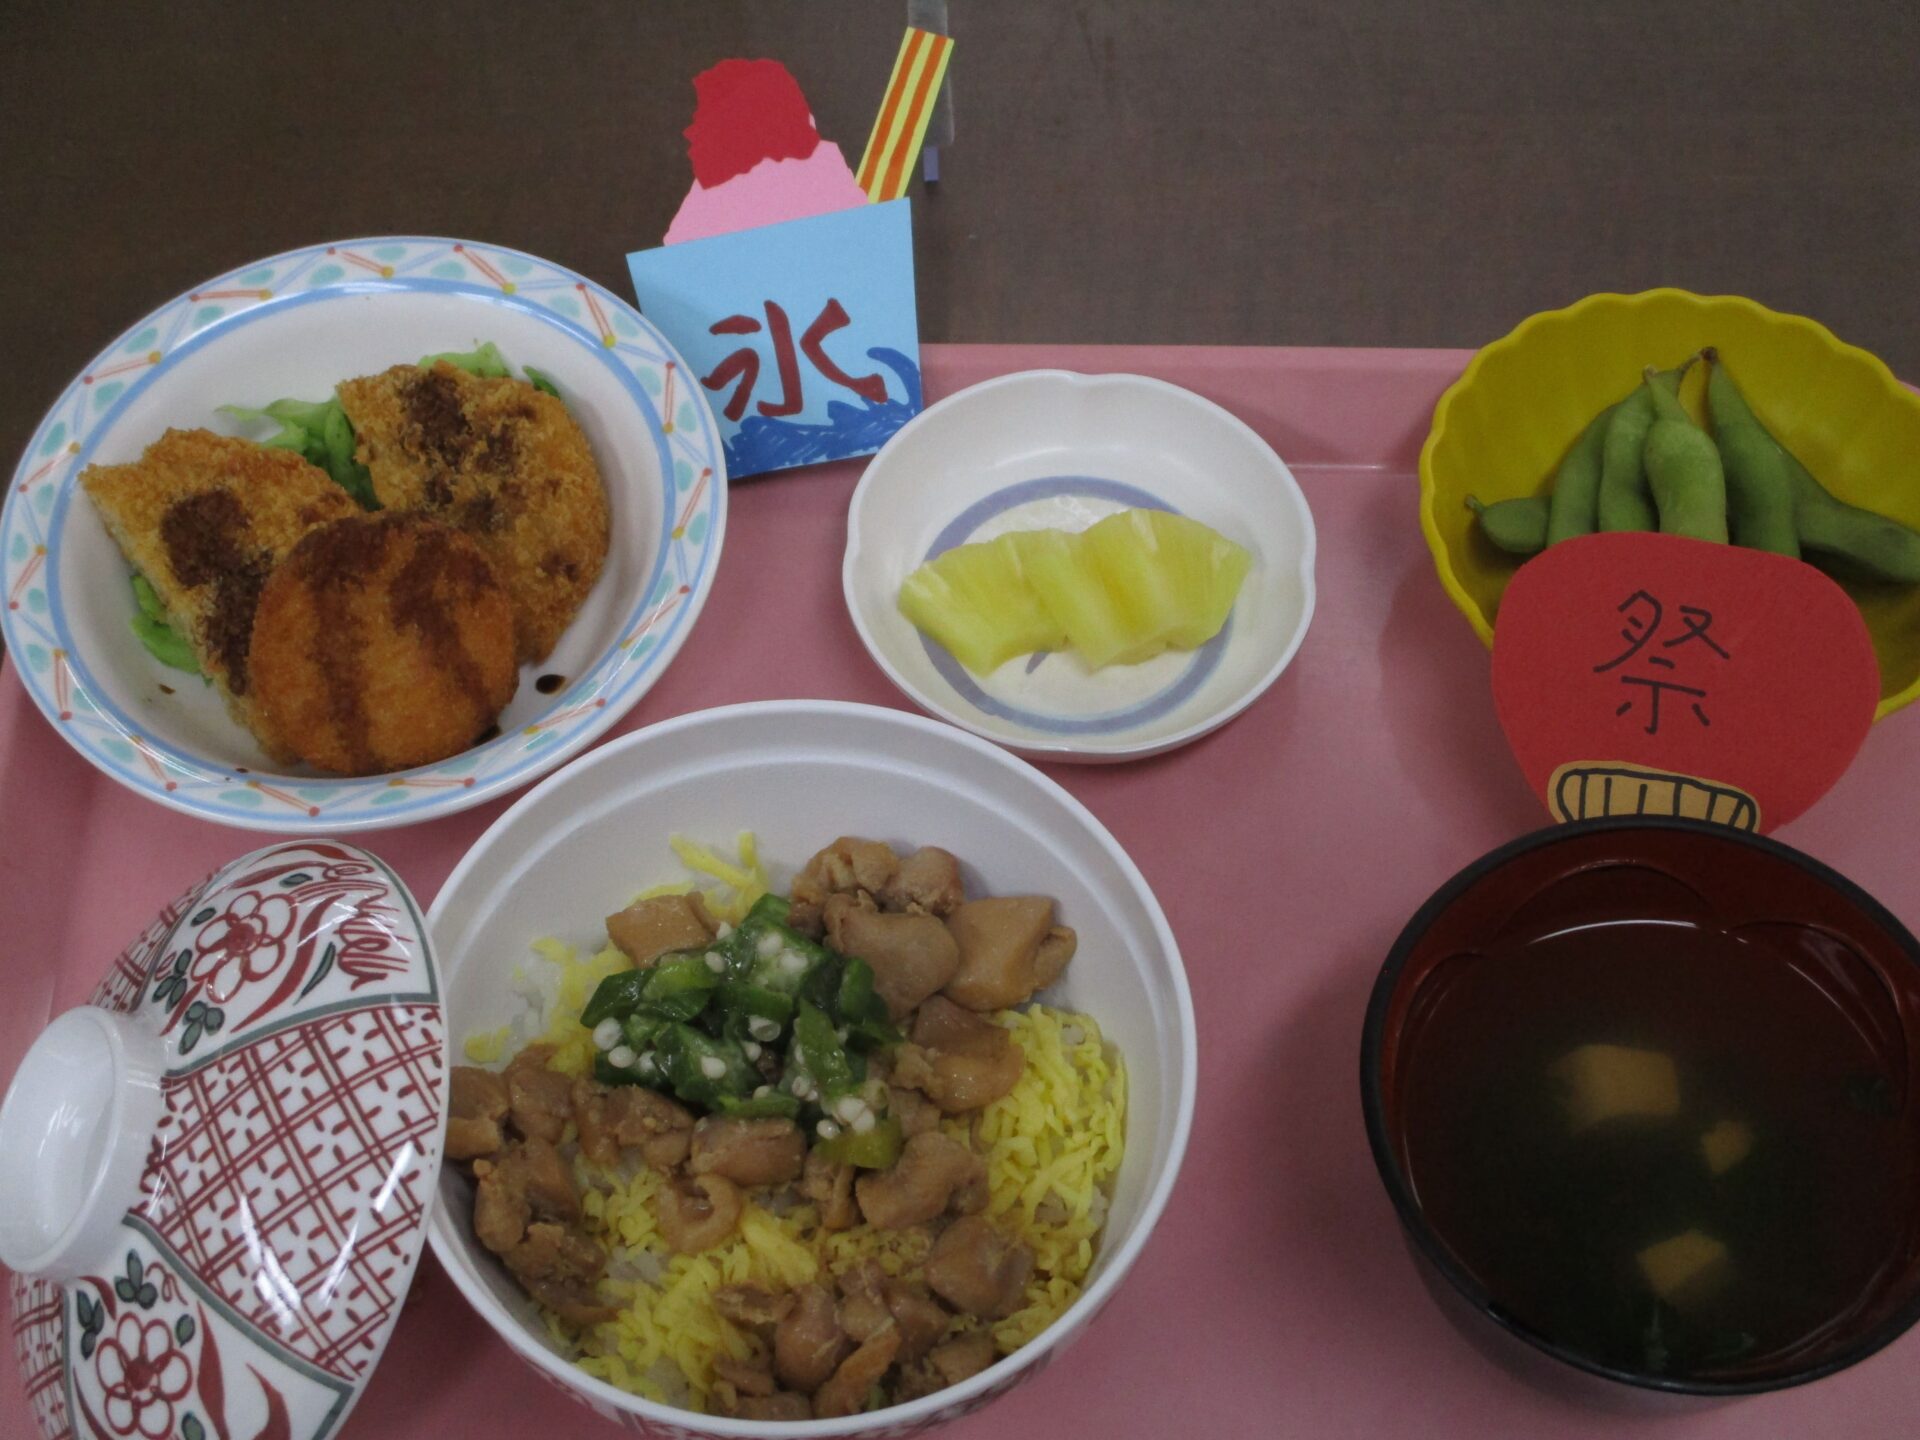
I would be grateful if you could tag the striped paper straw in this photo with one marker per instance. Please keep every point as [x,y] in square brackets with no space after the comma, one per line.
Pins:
[902,123]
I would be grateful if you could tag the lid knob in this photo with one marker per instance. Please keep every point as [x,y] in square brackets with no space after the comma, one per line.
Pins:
[74,1130]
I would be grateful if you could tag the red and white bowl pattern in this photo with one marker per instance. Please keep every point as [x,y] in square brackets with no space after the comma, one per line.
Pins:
[282,1206]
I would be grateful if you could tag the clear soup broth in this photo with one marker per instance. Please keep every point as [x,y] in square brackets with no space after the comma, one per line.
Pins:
[1679,1146]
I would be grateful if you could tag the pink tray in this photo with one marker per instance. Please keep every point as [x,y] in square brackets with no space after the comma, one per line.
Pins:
[1276,1297]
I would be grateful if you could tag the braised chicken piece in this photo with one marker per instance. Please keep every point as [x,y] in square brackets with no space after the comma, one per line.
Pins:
[975,1268]
[562,1271]
[476,1104]
[501,1209]
[1000,940]
[540,1100]
[846,1391]
[1050,960]
[629,1116]
[807,1343]
[920,1318]
[829,1185]
[766,1151]
[928,883]
[697,1213]
[781,1405]
[962,1357]
[915,1112]
[863,1310]
[932,1174]
[958,1059]
[750,1307]
[848,864]
[872,1302]
[660,1128]
[648,929]
[746,1378]
[912,956]
[525,1179]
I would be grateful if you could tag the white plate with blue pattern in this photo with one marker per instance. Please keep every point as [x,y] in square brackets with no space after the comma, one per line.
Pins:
[297,324]
[1050,448]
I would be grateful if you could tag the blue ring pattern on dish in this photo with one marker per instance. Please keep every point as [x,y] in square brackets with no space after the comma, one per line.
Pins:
[956,533]
[69,433]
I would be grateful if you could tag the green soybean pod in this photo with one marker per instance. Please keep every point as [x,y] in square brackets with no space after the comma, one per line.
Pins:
[1572,509]
[1518,527]
[1625,501]
[1760,501]
[1683,470]
[1854,544]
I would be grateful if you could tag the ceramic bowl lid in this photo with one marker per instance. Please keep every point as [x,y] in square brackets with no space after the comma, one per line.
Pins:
[218,1172]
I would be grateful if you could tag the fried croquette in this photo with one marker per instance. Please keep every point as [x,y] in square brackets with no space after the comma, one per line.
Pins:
[382,642]
[503,462]
[206,518]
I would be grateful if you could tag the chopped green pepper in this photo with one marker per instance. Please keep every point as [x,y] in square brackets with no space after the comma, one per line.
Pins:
[859,1007]
[608,1073]
[702,1068]
[770,909]
[817,1054]
[618,994]
[679,986]
[755,1002]
[640,1030]
[757,1107]
[766,953]
[875,1149]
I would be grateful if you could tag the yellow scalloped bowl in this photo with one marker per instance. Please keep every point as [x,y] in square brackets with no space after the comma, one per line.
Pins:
[1502,427]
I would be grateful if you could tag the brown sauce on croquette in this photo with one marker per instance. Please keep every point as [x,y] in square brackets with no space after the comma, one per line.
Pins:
[205,539]
[417,603]
[385,641]
[432,401]
[340,558]
[202,535]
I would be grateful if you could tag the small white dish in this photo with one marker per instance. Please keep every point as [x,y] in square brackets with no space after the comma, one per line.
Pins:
[1053,448]
[296,325]
[797,773]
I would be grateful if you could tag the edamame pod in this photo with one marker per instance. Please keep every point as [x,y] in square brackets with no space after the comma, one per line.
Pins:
[1518,527]
[1625,502]
[1571,510]
[1855,544]
[1683,470]
[1760,499]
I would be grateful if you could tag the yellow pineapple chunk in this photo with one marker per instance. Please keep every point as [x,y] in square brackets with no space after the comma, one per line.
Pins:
[1725,1144]
[1060,566]
[1119,592]
[1686,1268]
[1606,1082]
[975,600]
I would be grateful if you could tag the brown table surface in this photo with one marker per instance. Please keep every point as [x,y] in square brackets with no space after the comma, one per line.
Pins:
[1377,172]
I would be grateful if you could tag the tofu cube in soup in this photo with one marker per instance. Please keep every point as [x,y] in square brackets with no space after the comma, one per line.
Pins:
[1611,1082]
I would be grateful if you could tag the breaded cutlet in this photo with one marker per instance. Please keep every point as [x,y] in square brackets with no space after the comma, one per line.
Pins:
[206,518]
[382,642]
[503,462]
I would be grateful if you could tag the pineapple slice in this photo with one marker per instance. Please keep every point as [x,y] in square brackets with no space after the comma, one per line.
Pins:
[975,600]
[1120,592]
[1174,578]
[1064,573]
